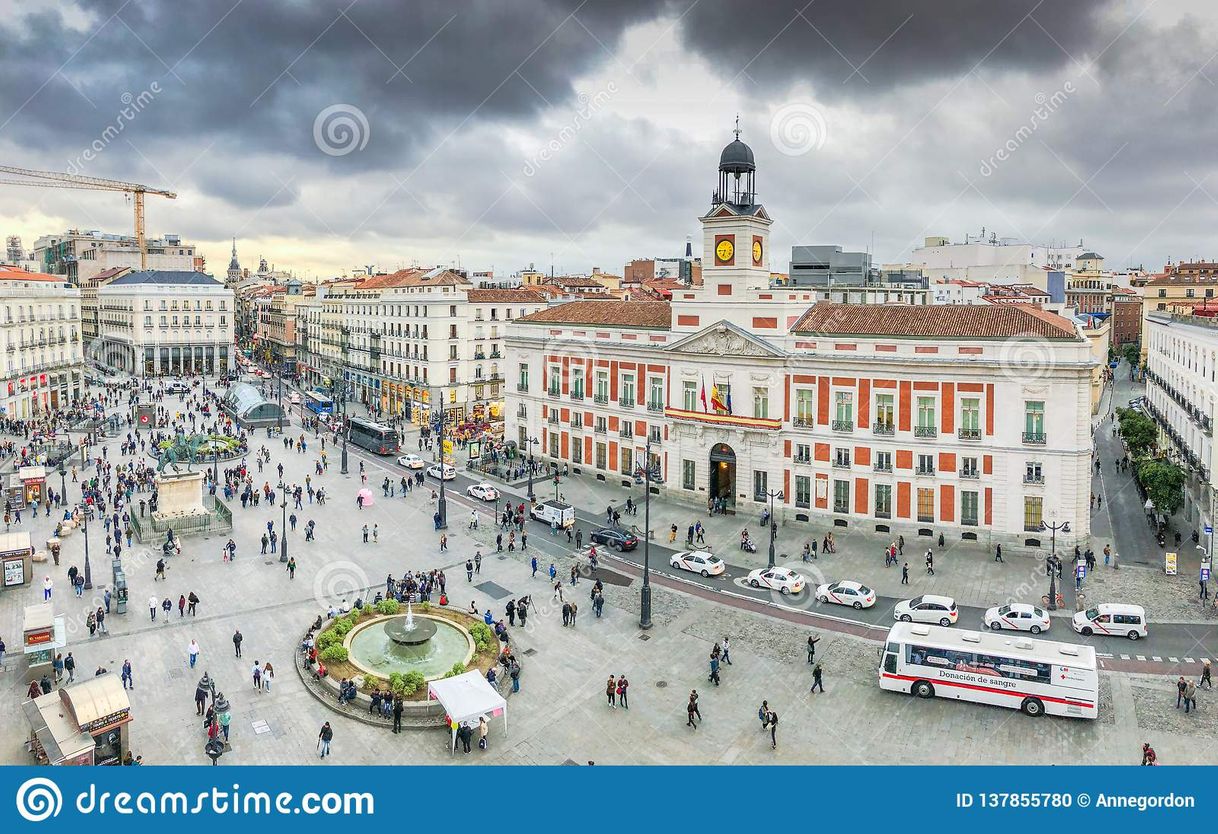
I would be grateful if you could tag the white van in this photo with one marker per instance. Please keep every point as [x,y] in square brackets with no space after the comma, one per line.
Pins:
[295,398]
[1113,619]
[554,512]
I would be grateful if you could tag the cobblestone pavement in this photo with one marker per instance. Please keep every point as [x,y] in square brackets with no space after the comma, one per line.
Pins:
[560,713]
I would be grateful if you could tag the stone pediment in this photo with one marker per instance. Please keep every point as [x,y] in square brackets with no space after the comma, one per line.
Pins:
[725,339]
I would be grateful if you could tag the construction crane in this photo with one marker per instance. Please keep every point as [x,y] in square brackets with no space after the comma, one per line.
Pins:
[55,179]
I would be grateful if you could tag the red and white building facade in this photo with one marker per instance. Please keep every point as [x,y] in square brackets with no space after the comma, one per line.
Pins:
[972,421]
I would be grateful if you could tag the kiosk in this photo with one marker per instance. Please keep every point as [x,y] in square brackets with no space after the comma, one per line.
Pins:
[44,634]
[16,560]
[84,723]
[33,484]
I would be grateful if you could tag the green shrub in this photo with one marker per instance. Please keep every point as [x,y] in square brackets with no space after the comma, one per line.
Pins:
[397,682]
[334,654]
[327,639]
[458,669]
[341,626]
[484,638]
[412,682]
[388,606]
[424,606]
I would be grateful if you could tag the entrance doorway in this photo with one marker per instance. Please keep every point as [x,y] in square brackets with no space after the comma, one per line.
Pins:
[722,483]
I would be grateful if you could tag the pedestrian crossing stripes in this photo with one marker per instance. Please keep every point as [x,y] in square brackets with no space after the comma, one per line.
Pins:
[1142,657]
[1125,657]
[1173,660]
[1189,660]
[1156,658]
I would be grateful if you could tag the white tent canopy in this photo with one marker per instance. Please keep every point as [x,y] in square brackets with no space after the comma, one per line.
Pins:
[467,697]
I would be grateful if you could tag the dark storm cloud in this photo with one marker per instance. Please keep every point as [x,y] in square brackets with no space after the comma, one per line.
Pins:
[253,76]
[856,47]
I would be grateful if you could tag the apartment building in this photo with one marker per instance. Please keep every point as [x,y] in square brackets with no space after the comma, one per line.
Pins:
[81,255]
[40,330]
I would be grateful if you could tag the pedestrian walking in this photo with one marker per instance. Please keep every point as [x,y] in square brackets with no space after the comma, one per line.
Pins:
[905,574]
[611,692]
[532,563]
[1190,697]
[323,740]
[1205,674]
[998,553]
[817,673]
[237,638]
[773,730]
[469,570]
[1181,685]
[726,649]
[477,561]
[397,714]
[623,687]
[126,676]
[256,674]
[930,562]
[192,652]
[812,641]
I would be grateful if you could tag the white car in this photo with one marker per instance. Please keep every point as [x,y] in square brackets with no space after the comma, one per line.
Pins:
[698,561]
[854,594]
[484,491]
[411,461]
[448,473]
[1017,617]
[927,608]
[783,580]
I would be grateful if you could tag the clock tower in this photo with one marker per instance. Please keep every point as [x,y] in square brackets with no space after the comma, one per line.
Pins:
[736,230]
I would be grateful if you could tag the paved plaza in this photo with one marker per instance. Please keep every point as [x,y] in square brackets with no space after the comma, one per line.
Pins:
[560,714]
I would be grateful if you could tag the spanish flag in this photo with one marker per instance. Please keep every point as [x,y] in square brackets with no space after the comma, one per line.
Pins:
[703,394]
[716,401]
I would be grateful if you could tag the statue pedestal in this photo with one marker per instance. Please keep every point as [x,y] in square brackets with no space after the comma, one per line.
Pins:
[179,496]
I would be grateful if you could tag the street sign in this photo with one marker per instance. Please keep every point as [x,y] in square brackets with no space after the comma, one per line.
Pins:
[1209,530]
[1205,574]
[1169,563]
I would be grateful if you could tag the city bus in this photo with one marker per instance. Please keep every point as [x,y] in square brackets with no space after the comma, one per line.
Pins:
[318,403]
[372,436]
[1018,672]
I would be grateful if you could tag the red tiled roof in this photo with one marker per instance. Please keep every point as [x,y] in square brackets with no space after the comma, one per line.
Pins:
[952,321]
[413,278]
[521,295]
[1181,280]
[653,315]
[12,273]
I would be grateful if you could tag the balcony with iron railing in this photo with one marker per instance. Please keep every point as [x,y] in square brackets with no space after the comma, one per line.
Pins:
[841,463]
[803,421]
[926,431]
[496,354]
[966,433]
[522,386]
[554,391]
[882,466]
[970,474]
[843,425]
[626,401]
[924,470]
[802,459]
[600,398]
[1033,478]
[577,394]
[655,407]
[884,427]
[1036,438]
[600,428]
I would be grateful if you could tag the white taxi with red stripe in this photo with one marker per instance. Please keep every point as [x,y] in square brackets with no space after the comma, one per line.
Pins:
[928,608]
[1111,619]
[847,592]
[1017,617]
[783,580]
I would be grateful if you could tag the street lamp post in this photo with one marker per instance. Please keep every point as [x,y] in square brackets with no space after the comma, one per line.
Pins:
[1053,528]
[283,551]
[645,592]
[342,403]
[532,441]
[88,567]
[442,504]
[279,373]
[773,524]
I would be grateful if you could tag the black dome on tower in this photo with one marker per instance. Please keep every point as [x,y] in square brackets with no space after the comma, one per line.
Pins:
[737,158]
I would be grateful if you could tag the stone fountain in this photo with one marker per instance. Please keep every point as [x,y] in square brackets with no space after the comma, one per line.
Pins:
[410,632]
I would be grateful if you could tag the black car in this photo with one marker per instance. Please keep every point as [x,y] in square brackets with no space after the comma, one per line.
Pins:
[615,538]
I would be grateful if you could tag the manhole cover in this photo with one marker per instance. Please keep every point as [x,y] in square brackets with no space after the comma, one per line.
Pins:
[661,684]
[493,590]
[268,561]
[530,652]
[644,636]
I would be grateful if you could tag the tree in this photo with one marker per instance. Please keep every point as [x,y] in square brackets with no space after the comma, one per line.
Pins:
[1164,483]
[1138,430]
[1131,353]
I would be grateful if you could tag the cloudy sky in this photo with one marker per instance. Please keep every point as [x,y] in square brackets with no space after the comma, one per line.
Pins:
[326,136]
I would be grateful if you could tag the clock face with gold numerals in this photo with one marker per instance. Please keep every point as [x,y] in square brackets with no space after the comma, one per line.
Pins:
[724,251]
[757,251]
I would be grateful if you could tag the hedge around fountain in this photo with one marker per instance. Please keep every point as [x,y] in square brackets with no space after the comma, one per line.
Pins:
[486,651]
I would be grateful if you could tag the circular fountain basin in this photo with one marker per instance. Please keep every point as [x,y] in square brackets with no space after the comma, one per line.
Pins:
[385,646]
